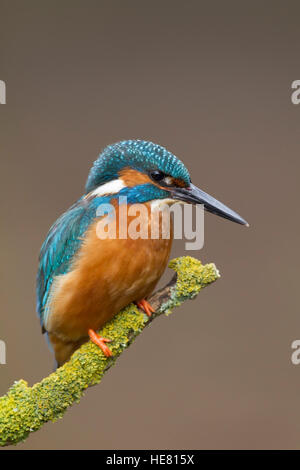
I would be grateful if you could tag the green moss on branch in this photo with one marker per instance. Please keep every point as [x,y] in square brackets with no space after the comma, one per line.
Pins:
[25,409]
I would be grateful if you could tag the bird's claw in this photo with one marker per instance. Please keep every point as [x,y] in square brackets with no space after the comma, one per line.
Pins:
[144,305]
[100,341]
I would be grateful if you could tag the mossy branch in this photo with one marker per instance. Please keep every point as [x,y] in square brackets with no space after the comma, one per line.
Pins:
[25,409]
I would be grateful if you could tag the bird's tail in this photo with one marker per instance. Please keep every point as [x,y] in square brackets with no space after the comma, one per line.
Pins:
[63,350]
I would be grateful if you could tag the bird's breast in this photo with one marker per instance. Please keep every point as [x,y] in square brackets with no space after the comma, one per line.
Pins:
[108,274]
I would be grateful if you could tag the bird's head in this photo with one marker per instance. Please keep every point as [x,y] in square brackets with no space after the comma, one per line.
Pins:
[144,171]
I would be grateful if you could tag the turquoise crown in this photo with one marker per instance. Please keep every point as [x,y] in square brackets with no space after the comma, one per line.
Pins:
[138,154]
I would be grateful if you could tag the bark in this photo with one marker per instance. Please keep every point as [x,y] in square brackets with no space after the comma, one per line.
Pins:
[25,409]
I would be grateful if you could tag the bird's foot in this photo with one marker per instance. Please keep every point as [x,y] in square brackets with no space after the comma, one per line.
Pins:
[144,305]
[97,339]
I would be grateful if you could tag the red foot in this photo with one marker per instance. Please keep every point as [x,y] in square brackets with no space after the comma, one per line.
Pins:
[144,305]
[97,339]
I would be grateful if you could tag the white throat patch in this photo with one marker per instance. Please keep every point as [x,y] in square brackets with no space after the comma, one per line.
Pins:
[159,204]
[112,187]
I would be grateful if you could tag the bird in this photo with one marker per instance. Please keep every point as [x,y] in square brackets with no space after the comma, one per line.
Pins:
[84,280]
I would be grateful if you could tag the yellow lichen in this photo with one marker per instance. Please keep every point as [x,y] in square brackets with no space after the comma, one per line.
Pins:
[25,409]
[192,276]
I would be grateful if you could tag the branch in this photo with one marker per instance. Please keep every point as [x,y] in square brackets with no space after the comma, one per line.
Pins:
[25,409]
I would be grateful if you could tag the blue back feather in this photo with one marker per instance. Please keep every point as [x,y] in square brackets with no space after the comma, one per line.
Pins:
[59,248]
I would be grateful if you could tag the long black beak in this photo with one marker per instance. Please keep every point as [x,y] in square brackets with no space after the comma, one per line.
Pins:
[194,195]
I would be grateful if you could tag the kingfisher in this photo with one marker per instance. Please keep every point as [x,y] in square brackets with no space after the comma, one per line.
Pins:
[83,280]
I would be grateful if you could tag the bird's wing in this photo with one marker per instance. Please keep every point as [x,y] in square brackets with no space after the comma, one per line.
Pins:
[60,246]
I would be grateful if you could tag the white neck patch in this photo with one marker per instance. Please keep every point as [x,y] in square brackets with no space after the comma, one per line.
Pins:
[112,187]
[159,204]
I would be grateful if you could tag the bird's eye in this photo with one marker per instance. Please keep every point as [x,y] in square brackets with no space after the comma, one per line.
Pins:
[157,175]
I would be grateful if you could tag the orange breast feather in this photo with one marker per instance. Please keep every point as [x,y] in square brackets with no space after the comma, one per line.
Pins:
[106,276]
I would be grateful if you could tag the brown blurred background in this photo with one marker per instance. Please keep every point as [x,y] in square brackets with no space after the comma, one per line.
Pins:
[211,81]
